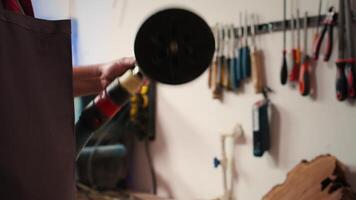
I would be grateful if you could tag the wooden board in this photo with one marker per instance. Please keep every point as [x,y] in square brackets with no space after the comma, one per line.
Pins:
[304,182]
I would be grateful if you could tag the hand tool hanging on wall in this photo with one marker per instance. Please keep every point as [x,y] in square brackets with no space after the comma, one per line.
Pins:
[211,66]
[221,57]
[241,50]
[304,76]
[293,52]
[345,79]
[328,23]
[213,82]
[316,34]
[237,68]
[246,57]
[284,69]
[261,118]
[294,74]
[173,46]
[217,89]
[225,62]
[233,61]
[227,56]
[257,60]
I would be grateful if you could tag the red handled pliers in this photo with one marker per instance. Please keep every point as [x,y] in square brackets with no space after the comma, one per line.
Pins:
[328,23]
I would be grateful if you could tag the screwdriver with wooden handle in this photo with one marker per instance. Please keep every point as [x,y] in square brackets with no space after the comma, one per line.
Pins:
[256,58]
[304,76]
[212,68]
[226,61]
[217,86]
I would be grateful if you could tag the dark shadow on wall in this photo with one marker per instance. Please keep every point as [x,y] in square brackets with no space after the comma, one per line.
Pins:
[275,133]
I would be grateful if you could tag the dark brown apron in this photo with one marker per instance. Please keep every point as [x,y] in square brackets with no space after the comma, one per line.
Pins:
[36,109]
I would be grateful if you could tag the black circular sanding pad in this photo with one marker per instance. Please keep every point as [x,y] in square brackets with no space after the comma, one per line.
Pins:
[174,46]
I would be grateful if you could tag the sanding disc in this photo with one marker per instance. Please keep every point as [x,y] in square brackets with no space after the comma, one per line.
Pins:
[174,46]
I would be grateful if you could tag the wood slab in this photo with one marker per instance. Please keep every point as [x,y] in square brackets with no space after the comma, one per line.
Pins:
[304,182]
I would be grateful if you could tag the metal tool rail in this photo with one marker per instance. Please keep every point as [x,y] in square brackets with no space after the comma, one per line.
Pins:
[276,26]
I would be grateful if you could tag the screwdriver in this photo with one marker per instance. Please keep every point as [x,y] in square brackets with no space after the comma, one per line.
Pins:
[246,57]
[237,70]
[284,69]
[226,65]
[217,89]
[256,58]
[241,50]
[304,76]
[294,75]
[225,62]
[212,68]
[232,58]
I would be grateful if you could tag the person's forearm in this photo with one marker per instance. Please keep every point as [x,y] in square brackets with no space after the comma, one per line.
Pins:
[92,79]
[86,80]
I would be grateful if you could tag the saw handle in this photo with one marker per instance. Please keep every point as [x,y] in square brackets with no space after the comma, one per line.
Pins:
[341,81]
[350,75]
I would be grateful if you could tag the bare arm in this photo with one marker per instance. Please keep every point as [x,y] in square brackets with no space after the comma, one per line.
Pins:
[92,79]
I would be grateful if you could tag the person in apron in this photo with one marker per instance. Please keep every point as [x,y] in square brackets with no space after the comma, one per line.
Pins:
[37,84]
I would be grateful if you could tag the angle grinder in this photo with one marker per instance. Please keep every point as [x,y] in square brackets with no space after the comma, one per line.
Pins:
[173,46]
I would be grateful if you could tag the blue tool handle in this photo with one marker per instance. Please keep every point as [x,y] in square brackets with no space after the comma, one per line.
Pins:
[232,74]
[241,64]
[237,72]
[246,60]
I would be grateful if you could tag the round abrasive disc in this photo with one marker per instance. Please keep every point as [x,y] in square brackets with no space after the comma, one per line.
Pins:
[174,46]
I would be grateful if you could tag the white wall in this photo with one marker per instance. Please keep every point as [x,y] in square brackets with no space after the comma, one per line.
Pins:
[189,121]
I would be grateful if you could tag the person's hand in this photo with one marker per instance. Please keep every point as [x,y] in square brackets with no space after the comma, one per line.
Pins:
[116,68]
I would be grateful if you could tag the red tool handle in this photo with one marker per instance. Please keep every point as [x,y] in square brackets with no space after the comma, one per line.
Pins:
[329,43]
[294,74]
[304,77]
[341,81]
[350,75]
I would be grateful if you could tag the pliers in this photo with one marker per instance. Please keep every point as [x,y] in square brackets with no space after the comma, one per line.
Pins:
[328,23]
